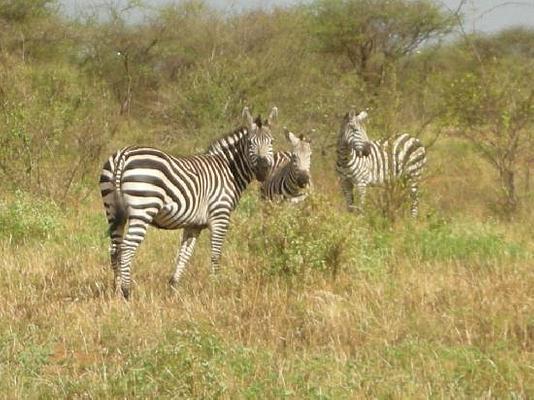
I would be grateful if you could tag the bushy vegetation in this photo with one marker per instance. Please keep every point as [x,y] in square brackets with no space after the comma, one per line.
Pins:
[312,302]
[25,219]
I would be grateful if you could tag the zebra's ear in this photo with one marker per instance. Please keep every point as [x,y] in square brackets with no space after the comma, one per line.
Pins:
[272,116]
[305,139]
[248,116]
[308,138]
[294,140]
[362,116]
[351,114]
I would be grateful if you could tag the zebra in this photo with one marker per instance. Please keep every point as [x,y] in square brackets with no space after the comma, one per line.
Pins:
[361,162]
[142,186]
[291,171]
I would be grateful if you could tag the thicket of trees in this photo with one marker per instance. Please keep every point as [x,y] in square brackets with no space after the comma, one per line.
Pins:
[73,89]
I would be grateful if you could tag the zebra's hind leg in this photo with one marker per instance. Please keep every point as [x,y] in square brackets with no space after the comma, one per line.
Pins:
[116,233]
[134,237]
[414,195]
[186,250]
[117,221]
[218,228]
[347,187]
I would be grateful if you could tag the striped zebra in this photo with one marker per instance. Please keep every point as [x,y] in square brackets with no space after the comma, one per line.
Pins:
[290,174]
[361,162]
[143,186]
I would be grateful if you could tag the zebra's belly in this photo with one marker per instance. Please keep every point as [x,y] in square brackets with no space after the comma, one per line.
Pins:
[172,217]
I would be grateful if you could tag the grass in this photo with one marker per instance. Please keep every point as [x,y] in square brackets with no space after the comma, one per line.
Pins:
[314,304]
[311,302]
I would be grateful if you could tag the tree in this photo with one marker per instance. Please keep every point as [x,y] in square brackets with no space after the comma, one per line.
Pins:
[29,27]
[492,106]
[372,34]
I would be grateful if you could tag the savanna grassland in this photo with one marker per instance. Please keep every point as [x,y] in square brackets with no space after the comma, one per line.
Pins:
[311,302]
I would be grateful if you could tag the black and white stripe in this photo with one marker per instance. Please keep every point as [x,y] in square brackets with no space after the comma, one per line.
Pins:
[143,186]
[290,174]
[361,162]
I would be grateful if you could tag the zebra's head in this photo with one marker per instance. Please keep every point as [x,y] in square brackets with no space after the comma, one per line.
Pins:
[353,135]
[300,157]
[260,143]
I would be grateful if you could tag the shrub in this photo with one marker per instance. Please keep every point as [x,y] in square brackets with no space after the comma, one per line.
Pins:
[440,240]
[26,218]
[314,236]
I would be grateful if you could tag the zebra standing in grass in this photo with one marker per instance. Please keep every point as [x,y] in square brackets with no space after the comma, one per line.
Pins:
[361,162]
[291,171]
[143,186]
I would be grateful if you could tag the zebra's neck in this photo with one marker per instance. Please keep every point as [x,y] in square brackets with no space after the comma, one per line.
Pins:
[233,148]
[289,180]
[352,166]
[345,155]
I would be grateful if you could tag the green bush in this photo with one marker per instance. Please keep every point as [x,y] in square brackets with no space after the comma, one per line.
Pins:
[26,218]
[440,240]
[314,236]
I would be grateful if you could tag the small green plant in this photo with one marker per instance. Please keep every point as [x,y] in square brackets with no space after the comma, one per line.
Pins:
[34,357]
[188,366]
[313,236]
[26,218]
[445,241]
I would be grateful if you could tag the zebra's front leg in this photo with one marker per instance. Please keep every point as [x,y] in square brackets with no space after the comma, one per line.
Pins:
[133,238]
[218,229]
[184,254]
[347,188]
[362,192]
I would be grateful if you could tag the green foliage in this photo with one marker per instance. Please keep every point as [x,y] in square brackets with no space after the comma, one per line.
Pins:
[374,34]
[31,29]
[309,238]
[494,96]
[33,358]
[516,42]
[50,121]
[26,218]
[296,240]
[187,365]
[446,241]
[492,105]
[23,10]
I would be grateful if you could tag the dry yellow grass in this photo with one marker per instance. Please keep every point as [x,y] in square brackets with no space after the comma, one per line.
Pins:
[417,318]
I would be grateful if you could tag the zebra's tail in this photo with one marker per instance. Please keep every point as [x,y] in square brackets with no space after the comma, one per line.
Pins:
[110,186]
[121,211]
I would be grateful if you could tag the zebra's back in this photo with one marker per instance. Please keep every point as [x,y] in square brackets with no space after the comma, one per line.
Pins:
[403,156]
[168,192]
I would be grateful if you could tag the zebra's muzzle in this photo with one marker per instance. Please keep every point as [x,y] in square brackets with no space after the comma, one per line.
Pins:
[303,179]
[364,150]
[263,166]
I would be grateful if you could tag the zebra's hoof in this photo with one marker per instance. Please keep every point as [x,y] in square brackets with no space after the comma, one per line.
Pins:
[125,293]
[173,282]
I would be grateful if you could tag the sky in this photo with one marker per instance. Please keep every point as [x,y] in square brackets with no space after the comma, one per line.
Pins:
[481,15]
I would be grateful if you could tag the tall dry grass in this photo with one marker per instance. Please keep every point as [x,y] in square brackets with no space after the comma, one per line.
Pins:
[311,303]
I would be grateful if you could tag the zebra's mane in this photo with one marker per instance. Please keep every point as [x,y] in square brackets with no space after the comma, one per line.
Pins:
[226,141]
